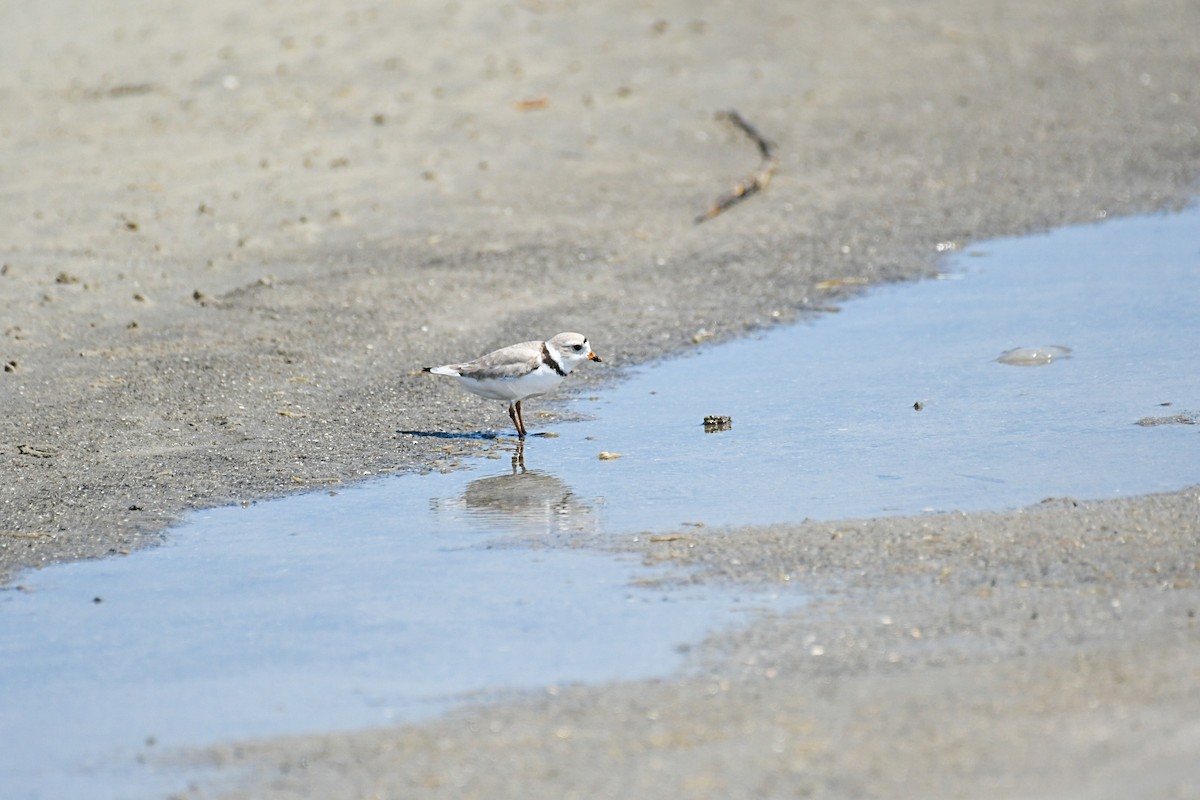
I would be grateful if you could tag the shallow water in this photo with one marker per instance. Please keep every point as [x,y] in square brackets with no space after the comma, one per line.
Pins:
[823,418]
[392,600]
[326,613]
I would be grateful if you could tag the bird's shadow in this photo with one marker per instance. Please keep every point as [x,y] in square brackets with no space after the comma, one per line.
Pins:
[484,435]
[476,435]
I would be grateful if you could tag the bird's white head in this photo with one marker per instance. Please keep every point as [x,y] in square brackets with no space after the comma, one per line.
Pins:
[571,350]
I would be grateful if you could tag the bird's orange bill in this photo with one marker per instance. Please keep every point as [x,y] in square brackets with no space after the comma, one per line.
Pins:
[594,357]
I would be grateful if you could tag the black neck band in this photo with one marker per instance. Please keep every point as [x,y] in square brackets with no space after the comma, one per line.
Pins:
[549,361]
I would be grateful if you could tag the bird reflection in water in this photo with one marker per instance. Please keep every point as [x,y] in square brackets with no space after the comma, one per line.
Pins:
[524,500]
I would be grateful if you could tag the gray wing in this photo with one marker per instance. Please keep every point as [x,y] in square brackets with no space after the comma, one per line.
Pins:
[508,362]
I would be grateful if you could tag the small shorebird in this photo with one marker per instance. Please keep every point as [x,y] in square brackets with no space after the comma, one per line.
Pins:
[521,370]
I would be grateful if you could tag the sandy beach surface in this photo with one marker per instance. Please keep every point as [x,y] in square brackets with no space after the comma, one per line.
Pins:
[233,234]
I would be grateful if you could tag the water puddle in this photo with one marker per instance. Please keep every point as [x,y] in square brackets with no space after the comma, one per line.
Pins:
[910,401]
[392,600]
[317,613]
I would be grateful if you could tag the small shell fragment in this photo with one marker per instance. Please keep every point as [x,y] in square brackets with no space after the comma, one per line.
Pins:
[836,283]
[532,103]
[607,456]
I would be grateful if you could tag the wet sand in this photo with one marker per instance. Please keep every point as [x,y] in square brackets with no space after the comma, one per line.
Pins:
[234,235]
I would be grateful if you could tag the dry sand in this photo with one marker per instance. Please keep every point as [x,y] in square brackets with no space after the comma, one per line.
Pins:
[233,234]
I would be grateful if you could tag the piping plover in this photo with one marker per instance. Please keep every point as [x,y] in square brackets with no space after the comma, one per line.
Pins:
[521,370]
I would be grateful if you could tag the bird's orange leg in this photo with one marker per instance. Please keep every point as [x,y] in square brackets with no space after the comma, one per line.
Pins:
[514,413]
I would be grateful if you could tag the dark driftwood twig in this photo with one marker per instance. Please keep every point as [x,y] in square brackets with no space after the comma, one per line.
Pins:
[757,181]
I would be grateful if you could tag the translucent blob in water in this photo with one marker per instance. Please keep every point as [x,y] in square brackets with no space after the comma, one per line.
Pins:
[1034,356]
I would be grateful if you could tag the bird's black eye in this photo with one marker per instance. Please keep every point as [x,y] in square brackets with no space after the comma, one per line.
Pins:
[578,347]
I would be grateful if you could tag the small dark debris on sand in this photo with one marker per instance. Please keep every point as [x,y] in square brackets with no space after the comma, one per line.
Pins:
[757,181]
